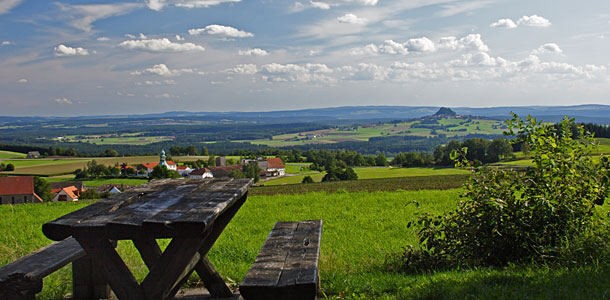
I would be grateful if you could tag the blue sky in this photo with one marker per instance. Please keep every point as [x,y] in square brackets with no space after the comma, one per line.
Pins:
[113,57]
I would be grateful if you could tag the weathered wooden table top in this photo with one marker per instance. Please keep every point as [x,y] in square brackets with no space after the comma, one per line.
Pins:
[161,209]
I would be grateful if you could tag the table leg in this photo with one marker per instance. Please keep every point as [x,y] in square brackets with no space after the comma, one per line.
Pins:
[178,260]
[115,271]
[210,277]
[149,250]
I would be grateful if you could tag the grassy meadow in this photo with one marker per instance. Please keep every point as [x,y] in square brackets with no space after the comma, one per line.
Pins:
[361,231]
[370,173]
[10,154]
[61,166]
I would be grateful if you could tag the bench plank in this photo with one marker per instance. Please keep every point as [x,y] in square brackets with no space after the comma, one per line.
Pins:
[287,265]
[26,273]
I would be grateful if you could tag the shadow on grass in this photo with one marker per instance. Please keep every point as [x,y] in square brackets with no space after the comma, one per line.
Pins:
[531,282]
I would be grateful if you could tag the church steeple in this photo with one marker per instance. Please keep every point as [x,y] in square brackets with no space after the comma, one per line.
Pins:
[162,158]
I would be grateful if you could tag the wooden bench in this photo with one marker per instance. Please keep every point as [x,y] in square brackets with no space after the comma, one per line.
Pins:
[22,279]
[287,265]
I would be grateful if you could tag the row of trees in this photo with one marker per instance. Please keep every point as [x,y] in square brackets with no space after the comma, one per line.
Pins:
[7,167]
[480,151]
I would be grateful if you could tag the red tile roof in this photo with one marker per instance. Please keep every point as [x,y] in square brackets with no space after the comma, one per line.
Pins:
[150,165]
[16,185]
[70,192]
[275,163]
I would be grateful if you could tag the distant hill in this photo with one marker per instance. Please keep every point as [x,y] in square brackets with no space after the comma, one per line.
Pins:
[583,113]
[445,111]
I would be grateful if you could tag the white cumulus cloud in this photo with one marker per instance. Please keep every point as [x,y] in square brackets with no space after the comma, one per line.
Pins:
[352,19]
[534,21]
[548,48]
[103,39]
[63,100]
[504,23]
[243,69]
[63,50]
[253,52]
[160,4]
[160,45]
[6,43]
[305,73]
[22,80]
[320,5]
[221,30]
[163,70]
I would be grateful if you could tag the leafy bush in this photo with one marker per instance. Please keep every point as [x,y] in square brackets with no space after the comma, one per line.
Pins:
[307,179]
[510,216]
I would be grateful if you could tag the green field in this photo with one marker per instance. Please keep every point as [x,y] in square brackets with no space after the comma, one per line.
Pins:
[113,139]
[458,127]
[361,232]
[48,167]
[372,172]
[10,154]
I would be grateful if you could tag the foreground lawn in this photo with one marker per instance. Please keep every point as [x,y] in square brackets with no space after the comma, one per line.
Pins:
[361,230]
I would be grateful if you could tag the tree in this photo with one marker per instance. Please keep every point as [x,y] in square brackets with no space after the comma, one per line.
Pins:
[42,189]
[161,171]
[9,167]
[204,151]
[307,179]
[252,170]
[381,160]
[511,216]
[498,148]
[236,173]
[110,153]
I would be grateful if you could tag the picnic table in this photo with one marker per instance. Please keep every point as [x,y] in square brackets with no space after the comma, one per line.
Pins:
[192,213]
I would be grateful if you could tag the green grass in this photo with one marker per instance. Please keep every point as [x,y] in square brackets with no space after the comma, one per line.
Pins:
[361,230]
[436,182]
[372,172]
[10,154]
[50,167]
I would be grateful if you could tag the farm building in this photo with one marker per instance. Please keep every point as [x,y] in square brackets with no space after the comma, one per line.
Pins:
[270,167]
[183,170]
[201,173]
[18,190]
[56,187]
[33,154]
[69,193]
[219,172]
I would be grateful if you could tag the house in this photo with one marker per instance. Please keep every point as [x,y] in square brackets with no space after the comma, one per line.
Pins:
[33,154]
[275,167]
[67,194]
[56,187]
[183,170]
[201,173]
[114,190]
[148,167]
[221,161]
[270,167]
[18,190]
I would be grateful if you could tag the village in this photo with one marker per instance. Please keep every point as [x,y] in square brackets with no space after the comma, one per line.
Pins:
[21,189]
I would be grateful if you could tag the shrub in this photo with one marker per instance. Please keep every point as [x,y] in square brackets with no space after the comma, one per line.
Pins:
[510,216]
[307,179]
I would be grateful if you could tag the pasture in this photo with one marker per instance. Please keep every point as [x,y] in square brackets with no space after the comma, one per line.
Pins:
[371,172]
[61,166]
[114,139]
[11,154]
[432,127]
[362,231]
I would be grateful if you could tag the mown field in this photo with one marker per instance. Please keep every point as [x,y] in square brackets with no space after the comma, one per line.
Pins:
[10,154]
[361,231]
[371,172]
[94,182]
[110,139]
[48,167]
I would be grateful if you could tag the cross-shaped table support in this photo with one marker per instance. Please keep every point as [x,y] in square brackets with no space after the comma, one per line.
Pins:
[192,213]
